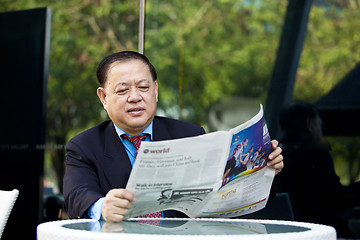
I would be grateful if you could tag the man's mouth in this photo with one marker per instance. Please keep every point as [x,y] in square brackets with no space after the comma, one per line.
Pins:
[135,110]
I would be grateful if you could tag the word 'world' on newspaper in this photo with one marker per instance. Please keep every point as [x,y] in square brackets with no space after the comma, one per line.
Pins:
[220,174]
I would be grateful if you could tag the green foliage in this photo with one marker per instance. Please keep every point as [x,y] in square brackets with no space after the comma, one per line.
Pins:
[204,51]
[82,33]
[207,50]
[346,154]
[331,48]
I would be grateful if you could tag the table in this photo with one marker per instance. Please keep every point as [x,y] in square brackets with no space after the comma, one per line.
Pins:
[174,229]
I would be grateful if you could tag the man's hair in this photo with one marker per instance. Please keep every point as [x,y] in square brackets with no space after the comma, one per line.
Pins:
[105,64]
[294,117]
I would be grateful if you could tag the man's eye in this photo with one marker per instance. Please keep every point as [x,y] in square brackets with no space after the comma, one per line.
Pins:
[144,88]
[121,91]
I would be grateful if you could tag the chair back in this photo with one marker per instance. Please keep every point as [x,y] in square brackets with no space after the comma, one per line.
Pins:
[7,201]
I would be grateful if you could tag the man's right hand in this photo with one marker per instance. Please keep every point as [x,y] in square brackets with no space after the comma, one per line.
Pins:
[117,204]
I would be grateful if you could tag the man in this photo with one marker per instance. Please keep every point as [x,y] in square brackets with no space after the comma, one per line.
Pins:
[99,160]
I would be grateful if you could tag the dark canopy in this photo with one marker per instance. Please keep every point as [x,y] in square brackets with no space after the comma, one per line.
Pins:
[340,108]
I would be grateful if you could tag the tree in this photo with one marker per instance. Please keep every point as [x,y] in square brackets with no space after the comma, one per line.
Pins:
[331,50]
[82,33]
[204,51]
[329,53]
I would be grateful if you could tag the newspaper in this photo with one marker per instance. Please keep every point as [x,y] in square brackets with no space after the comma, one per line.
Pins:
[219,174]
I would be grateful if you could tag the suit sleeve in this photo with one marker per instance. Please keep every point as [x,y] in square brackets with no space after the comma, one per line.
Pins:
[81,185]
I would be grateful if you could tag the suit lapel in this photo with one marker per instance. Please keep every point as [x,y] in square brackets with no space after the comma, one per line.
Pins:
[116,164]
[159,131]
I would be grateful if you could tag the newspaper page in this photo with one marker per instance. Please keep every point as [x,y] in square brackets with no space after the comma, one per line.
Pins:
[180,174]
[220,174]
[246,181]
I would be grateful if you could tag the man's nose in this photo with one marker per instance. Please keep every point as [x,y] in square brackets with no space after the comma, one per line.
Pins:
[134,95]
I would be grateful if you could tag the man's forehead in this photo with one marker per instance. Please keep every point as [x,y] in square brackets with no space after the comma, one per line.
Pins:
[132,66]
[132,81]
[126,61]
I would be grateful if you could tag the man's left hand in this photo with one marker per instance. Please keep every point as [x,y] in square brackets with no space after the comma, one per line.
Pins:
[275,157]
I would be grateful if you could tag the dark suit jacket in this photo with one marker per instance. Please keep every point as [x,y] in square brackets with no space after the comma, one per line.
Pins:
[96,162]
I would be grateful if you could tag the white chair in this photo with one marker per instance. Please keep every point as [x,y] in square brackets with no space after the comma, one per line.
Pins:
[7,201]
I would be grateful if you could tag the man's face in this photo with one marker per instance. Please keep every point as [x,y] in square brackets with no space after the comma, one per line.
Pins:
[130,96]
[315,127]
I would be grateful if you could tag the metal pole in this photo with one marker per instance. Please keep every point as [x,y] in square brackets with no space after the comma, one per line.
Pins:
[141,26]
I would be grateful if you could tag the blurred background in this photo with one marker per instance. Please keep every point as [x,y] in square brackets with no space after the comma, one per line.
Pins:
[216,62]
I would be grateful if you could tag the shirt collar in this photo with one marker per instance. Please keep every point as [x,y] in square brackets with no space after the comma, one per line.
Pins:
[148,130]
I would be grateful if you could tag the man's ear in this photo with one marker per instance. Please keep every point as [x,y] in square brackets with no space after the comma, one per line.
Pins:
[102,96]
[310,125]
[156,91]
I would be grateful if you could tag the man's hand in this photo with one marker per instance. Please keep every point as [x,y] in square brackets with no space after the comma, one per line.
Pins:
[117,204]
[275,157]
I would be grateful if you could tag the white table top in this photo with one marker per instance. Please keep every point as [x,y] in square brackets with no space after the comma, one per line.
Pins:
[171,229]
